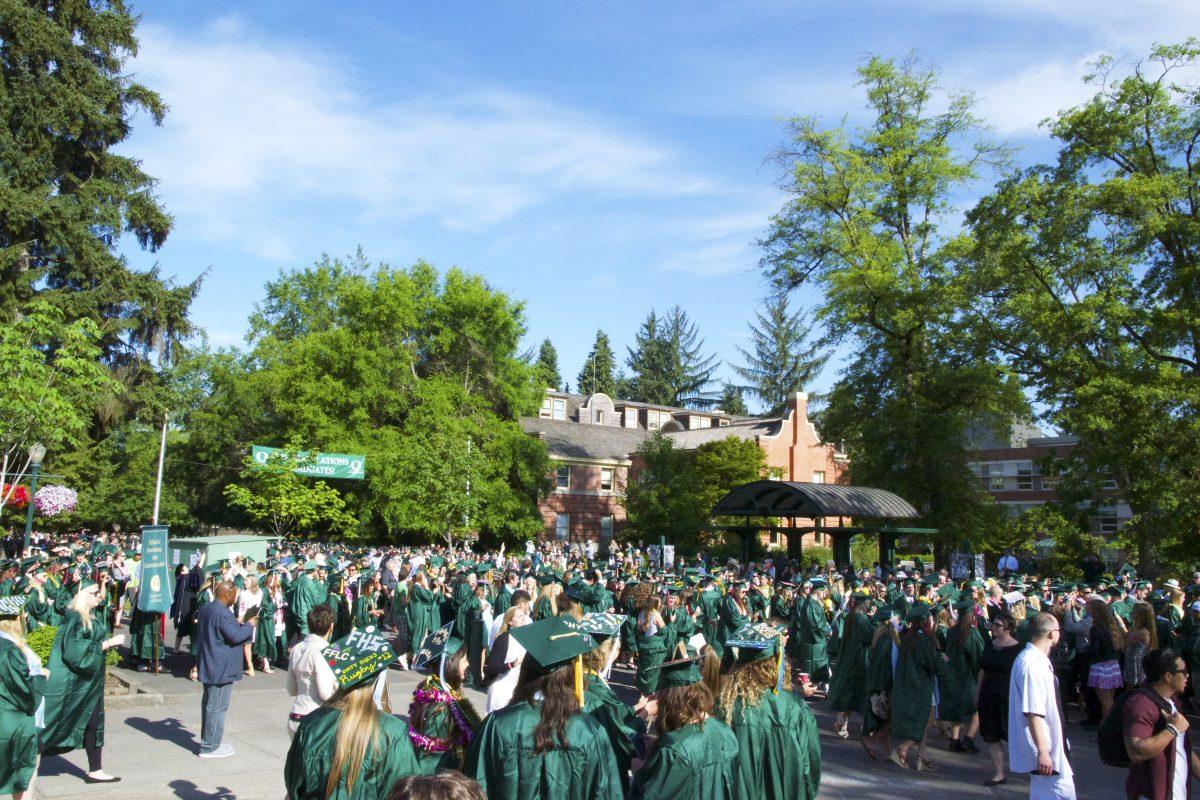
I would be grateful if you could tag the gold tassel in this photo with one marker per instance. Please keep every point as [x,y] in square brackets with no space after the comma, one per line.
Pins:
[778,668]
[579,680]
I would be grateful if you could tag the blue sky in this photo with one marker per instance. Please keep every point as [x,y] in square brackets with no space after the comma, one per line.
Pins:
[593,160]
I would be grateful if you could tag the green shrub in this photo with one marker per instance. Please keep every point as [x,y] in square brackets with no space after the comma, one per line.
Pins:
[41,641]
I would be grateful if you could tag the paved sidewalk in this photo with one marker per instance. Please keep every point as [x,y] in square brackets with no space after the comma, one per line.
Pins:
[153,749]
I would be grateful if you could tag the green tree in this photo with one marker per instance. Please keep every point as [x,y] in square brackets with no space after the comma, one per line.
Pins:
[598,373]
[732,401]
[1086,279]
[865,223]
[781,361]
[667,362]
[288,503]
[674,491]
[546,367]
[51,376]
[406,366]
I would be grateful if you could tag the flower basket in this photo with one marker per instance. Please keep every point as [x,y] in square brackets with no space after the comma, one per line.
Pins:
[50,501]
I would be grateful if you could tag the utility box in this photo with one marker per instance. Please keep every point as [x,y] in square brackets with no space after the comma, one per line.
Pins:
[217,548]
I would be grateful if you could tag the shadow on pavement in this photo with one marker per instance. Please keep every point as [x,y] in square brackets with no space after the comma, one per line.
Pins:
[190,791]
[57,765]
[170,730]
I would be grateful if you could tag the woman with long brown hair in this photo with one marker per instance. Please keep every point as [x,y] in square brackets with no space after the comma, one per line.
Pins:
[1106,644]
[779,747]
[696,752]
[349,749]
[542,745]
[1141,639]
[918,665]
[652,645]
[964,650]
[441,722]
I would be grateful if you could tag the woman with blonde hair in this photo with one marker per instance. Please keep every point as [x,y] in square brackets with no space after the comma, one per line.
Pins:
[546,604]
[651,645]
[249,598]
[348,749]
[22,679]
[501,671]
[75,690]
[1106,644]
[1141,639]
[267,645]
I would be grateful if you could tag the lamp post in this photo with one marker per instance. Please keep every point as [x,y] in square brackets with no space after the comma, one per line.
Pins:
[36,453]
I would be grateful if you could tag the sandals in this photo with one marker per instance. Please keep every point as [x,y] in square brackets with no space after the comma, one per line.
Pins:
[842,732]
[925,765]
[995,781]
[895,758]
[194,675]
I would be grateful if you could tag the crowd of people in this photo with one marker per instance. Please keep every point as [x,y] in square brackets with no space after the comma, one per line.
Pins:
[725,659]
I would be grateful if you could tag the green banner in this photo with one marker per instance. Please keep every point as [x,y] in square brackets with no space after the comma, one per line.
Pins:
[156,588]
[325,465]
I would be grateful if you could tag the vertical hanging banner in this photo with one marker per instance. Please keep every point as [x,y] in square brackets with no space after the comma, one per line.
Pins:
[156,588]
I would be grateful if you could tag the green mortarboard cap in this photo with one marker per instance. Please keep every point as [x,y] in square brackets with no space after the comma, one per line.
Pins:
[311,566]
[554,640]
[909,582]
[883,614]
[1113,591]
[683,670]
[947,591]
[1157,597]
[435,643]
[965,602]
[929,580]
[213,569]
[602,625]
[756,641]
[918,613]
[33,561]
[12,606]
[63,561]
[359,656]
[1143,584]
[546,578]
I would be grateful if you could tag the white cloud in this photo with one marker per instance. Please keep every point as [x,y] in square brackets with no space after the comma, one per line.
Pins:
[1017,104]
[721,243]
[258,127]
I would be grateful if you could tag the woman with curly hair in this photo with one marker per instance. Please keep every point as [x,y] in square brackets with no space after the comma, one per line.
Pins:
[779,747]
[652,646]
[441,722]
[696,753]
[542,745]
[624,728]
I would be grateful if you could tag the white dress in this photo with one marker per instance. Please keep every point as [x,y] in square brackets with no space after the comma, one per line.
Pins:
[500,691]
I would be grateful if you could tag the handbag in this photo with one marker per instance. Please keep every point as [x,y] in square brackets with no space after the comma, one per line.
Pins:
[881,705]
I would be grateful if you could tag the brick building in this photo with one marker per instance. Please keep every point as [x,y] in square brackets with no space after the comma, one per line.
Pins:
[591,441]
[1010,469]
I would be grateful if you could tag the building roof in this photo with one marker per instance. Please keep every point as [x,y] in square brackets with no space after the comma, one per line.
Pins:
[742,429]
[812,500]
[566,439]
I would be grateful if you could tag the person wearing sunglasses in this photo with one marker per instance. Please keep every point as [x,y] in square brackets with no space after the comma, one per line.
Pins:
[1036,743]
[1157,739]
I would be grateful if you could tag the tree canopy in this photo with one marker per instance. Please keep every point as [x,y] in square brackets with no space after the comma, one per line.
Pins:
[546,366]
[667,362]
[782,360]
[599,370]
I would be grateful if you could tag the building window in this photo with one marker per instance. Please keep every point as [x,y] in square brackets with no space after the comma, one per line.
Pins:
[560,409]
[562,478]
[562,526]
[631,418]
[653,420]
[996,483]
[724,423]
[606,527]
[598,417]
[818,477]
[606,479]
[545,412]
[1107,524]
[1108,483]
[1025,479]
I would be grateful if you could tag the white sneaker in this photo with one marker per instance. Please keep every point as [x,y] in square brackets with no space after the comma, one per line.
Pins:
[224,751]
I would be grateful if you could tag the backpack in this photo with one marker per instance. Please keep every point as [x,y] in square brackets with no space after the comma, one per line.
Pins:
[1111,736]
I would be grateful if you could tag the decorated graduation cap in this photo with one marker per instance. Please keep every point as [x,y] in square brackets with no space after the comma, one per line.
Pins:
[359,656]
[682,670]
[554,641]
[12,606]
[435,644]
[602,625]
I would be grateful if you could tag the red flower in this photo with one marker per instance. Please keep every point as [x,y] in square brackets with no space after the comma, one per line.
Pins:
[19,498]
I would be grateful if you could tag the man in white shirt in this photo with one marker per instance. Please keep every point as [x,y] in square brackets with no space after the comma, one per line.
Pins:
[310,681]
[1036,744]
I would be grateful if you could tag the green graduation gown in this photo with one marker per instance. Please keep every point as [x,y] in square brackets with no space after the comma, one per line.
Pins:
[848,687]
[879,679]
[651,653]
[757,604]
[808,638]
[779,748]
[341,614]
[542,609]
[364,604]
[20,694]
[629,626]
[266,640]
[75,686]
[422,610]
[912,687]
[308,759]
[142,639]
[502,602]
[957,691]
[710,617]
[502,758]
[692,763]
[730,619]
[624,728]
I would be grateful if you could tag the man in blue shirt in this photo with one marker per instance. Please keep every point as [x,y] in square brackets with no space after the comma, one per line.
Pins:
[219,640]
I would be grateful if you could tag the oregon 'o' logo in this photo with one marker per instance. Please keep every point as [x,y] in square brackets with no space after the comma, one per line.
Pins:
[155,583]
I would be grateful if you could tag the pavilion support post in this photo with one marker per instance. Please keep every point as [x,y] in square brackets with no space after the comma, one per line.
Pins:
[887,549]
[747,545]
[795,539]
[841,550]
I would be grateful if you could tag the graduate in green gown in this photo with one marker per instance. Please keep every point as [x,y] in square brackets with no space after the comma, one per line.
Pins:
[653,642]
[779,746]
[349,749]
[624,728]
[733,615]
[267,646]
[885,641]
[848,687]
[809,632]
[75,690]
[441,722]
[542,746]
[918,666]
[422,610]
[22,681]
[366,610]
[546,604]
[695,758]
[335,598]
[956,693]
[709,601]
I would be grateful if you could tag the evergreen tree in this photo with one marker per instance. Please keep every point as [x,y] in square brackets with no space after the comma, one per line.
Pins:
[732,401]
[668,363]
[782,361]
[546,367]
[67,102]
[599,368]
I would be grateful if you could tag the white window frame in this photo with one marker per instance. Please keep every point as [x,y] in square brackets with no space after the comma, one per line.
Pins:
[606,527]
[562,526]
[558,408]
[612,475]
[1025,480]
[558,477]
[818,476]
